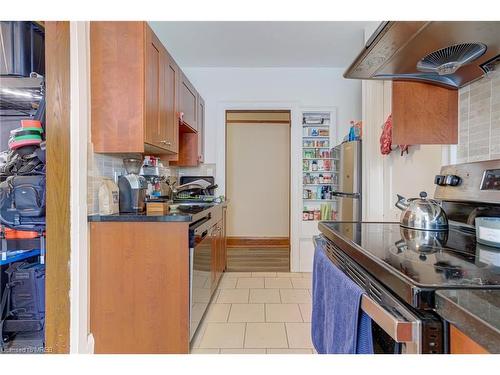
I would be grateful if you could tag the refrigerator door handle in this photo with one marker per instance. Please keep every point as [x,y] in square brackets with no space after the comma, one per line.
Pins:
[346,195]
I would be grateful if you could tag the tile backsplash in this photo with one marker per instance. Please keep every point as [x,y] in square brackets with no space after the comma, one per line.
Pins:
[111,166]
[479,120]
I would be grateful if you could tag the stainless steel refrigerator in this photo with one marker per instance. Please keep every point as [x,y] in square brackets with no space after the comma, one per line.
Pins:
[348,188]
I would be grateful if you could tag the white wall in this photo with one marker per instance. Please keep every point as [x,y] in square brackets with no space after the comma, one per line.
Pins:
[275,88]
[384,176]
[309,87]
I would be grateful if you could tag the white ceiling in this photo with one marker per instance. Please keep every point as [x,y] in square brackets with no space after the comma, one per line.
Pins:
[261,44]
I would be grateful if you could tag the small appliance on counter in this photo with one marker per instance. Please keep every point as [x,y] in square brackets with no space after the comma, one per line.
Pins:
[132,187]
[195,188]
[159,184]
[488,231]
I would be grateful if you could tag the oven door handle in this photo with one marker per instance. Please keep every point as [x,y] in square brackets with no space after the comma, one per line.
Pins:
[400,330]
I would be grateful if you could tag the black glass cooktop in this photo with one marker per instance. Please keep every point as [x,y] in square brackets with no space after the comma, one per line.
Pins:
[425,259]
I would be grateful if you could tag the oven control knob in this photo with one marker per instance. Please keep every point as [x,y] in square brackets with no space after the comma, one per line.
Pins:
[452,180]
[439,180]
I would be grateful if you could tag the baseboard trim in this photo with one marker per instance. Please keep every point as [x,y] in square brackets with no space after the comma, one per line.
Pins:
[258,242]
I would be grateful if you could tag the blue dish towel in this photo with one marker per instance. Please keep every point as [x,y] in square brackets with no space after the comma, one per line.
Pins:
[338,325]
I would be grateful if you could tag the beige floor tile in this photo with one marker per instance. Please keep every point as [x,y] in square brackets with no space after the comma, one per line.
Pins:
[243,351]
[228,283]
[295,296]
[244,312]
[265,335]
[205,351]
[250,282]
[306,310]
[283,312]
[233,296]
[302,283]
[289,274]
[277,282]
[237,274]
[223,335]
[265,296]
[299,335]
[217,313]
[263,274]
[289,351]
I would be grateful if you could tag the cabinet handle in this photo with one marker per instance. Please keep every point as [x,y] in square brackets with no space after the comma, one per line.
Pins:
[167,143]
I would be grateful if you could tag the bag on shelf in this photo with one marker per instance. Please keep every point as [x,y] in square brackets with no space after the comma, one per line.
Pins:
[22,202]
[22,303]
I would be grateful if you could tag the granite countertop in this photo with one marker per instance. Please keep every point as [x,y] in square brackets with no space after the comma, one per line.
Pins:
[475,312]
[176,216]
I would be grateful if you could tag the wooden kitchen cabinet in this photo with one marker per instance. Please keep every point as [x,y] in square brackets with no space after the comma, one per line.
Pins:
[161,127]
[424,114]
[188,102]
[191,143]
[460,343]
[201,129]
[134,84]
[139,287]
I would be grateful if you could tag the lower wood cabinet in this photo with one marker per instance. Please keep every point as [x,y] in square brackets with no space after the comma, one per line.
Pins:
[460,343]
[139,287]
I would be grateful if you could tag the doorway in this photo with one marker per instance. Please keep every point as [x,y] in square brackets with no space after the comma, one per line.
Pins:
[258,186]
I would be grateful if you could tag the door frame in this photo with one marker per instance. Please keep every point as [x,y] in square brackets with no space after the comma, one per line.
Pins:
[295,134]
[57,284]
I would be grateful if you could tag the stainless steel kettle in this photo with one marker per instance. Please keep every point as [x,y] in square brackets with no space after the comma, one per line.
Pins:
[422,213]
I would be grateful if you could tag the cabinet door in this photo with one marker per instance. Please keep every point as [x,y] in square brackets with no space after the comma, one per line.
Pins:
[169,125]
[201,129]
[424,114]
[213,267]
[117,85]
[153,79]
[188,106]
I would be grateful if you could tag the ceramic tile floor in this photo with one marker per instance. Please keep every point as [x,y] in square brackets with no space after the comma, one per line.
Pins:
[258,313]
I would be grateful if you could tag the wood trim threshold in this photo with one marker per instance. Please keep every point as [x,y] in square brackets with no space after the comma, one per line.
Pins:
[258,242]
[255,122]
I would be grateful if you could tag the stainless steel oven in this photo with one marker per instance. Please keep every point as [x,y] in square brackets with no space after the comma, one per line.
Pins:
[200,260]
[397,328]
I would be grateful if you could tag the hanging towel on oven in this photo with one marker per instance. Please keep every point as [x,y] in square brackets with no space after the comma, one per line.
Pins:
[338,325]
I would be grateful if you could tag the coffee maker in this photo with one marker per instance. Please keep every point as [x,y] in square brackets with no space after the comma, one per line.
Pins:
[132,187]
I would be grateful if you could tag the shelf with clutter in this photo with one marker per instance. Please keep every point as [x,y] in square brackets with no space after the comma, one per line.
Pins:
[319,167]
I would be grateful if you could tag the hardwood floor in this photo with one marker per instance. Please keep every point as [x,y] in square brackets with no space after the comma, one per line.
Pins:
[255,259]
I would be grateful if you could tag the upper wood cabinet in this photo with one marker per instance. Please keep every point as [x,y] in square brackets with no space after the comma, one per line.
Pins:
[201,129]
[424,114]
[134,90]
[188,102]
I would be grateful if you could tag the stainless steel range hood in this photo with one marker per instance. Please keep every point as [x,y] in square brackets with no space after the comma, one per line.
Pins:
[448,53]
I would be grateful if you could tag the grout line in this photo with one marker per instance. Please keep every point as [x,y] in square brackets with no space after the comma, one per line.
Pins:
[245,335]
[229,313]
[301,315]
[286,335]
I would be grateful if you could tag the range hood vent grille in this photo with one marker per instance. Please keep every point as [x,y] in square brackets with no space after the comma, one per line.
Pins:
[448,60]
